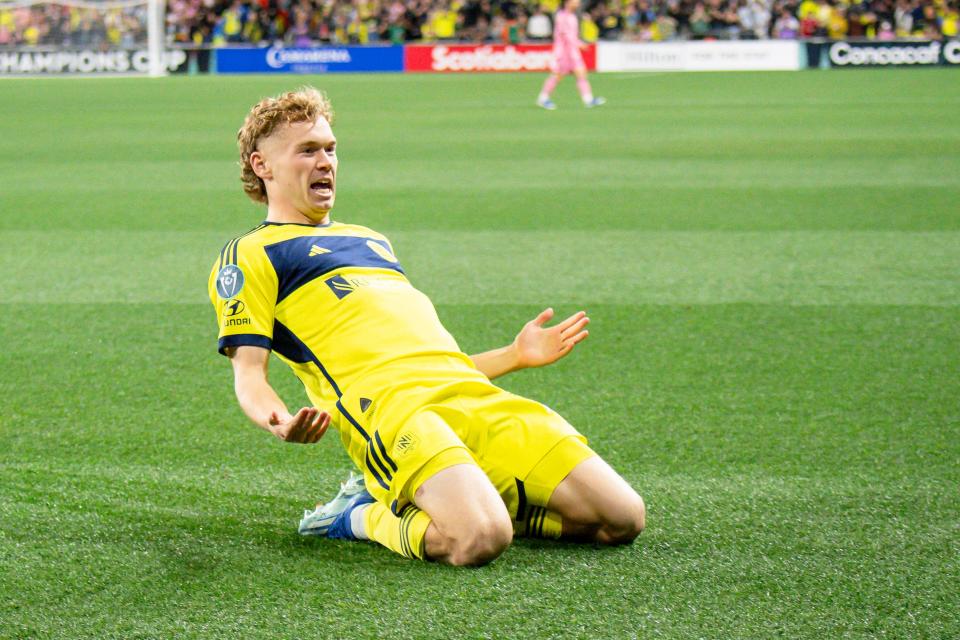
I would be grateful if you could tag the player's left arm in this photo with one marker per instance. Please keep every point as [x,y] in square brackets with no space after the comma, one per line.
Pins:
[535,346]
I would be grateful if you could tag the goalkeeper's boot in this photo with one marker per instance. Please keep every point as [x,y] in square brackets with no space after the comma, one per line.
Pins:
[596,102]
[547,104]
[324,519]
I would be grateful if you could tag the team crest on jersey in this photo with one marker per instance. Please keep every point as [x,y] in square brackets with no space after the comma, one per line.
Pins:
[406,443]
[229,281]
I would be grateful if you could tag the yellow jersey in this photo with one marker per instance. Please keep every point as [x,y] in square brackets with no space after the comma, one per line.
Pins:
[333,302]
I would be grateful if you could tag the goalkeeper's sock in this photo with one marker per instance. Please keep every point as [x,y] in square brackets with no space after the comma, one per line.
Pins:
[548,86]
[539,523]
[403,534]
[586,93]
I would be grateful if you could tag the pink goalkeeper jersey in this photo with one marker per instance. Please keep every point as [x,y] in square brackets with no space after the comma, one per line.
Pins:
[566,38]
[566,43]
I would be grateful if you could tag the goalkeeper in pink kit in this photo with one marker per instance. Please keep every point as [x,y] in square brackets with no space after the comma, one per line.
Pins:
[567,58]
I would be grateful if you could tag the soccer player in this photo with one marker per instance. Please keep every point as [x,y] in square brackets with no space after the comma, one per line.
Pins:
[567,58]
[452,465]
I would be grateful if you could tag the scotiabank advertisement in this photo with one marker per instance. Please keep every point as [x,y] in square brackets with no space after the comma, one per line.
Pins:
[485,57]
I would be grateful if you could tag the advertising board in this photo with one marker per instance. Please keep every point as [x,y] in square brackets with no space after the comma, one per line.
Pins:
[897,53]
[77,61]
[748,55]
[349,59]
[485,58]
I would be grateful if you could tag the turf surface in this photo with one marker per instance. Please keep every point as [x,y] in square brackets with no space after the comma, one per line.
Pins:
[772,266]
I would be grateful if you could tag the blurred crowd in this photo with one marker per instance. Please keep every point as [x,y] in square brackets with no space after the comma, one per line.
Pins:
[57,24]
[312,22]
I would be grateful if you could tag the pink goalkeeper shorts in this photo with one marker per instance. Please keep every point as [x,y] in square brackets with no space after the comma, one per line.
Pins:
[566,62]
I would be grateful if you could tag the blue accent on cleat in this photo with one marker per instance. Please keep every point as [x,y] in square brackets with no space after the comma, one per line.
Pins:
[319,521]
[596,102]
[340,528]
[547,104]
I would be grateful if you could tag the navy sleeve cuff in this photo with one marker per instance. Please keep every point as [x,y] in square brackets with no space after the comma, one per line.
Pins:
[243,340]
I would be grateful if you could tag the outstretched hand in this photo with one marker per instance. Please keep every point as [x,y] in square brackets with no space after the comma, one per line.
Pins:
[537,345]
[306,427]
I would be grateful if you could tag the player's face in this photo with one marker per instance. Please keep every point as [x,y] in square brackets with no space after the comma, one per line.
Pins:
[301,163]
[572,5]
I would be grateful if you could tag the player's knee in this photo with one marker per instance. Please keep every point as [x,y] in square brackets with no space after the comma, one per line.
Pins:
[628,522]
[485,541]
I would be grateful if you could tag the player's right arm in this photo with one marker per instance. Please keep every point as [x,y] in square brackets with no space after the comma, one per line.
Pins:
[243,289]
[262,404]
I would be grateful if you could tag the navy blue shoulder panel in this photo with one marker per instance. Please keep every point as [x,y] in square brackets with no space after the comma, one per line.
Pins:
[228,255]
[241,340]
[287,344]
[299,260]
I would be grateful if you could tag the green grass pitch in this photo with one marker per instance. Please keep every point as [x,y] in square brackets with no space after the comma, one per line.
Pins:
[772,266]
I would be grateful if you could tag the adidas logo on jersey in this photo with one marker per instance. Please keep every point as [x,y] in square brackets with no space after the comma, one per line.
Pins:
[317,251]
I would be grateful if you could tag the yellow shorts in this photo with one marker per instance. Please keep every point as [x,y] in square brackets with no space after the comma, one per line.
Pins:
[525,448]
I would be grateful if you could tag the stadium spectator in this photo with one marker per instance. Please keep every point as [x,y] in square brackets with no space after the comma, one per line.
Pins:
[754,17]
[299,35]
[950,22]
[589,31]
[836,23]
[856,27]
[441,22]
[699,22]
[233,20]
[609,23]
[539,26]
[474,20]
[666,27]
[254,30]
[787,27]
[903,18]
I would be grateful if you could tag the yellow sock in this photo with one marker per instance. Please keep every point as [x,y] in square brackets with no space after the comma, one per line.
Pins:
[403,535]
[539,523]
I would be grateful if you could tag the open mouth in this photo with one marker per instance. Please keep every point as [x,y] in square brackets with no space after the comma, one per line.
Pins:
[322,187]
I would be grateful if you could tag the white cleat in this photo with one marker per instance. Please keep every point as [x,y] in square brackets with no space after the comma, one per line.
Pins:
[547,104]
[318,521]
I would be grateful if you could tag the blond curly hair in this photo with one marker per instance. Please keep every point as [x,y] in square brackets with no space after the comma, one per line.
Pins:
[306,104]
